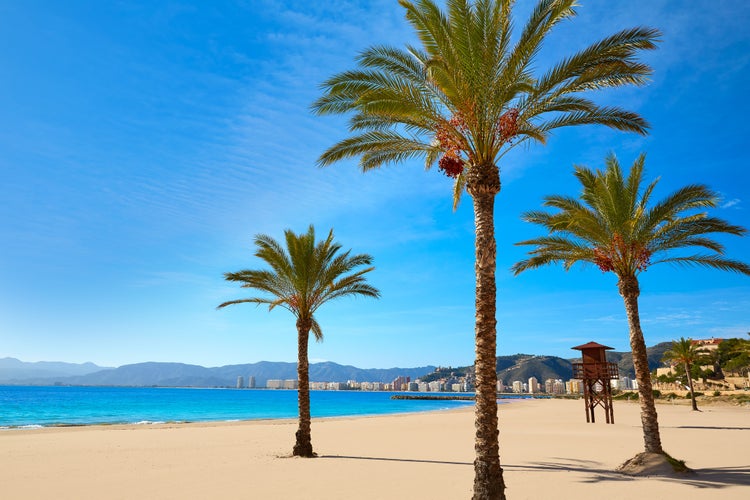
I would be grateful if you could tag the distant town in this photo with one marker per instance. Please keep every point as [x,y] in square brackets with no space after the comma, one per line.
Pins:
[462,384]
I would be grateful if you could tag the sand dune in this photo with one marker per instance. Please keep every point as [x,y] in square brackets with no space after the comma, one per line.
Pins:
[547,451]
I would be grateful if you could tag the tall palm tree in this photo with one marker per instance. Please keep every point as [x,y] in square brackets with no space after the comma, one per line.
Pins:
[684,352]
[463,99]
[303,277]
[617,227]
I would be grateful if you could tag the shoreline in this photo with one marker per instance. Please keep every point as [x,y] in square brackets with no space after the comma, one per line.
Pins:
[219,423]
[546,449]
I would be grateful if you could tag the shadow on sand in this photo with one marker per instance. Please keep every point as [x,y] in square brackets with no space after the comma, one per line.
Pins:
[407,460]
[721,477]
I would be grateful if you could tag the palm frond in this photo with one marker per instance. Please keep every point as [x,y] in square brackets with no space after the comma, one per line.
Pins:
[380,146]
[612,117]
[713,261]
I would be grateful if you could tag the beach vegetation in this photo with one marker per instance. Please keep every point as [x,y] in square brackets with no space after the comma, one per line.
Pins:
[304,275]
[734,356]
[677,465]
[615,225]
[469,92]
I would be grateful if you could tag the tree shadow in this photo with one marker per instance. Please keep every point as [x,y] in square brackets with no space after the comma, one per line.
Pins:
[714,478]
[388,459]
[713,428]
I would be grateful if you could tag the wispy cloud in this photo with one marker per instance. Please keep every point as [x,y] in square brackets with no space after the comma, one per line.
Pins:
[674,319]
[607,319]
[734,202]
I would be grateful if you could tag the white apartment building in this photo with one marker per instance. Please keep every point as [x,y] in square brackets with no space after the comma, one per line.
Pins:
[274,384]
[533,385]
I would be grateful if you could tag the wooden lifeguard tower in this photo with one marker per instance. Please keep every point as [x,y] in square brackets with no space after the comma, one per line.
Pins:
[596,373]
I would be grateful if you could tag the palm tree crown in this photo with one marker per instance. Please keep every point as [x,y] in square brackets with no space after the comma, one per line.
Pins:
[615,226]
[469,93]
[683,351]
[305,275]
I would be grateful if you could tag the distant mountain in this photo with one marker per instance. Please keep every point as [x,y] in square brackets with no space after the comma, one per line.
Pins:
[541,367]
[13,370]
[524,366]
[184,375]
[151,374]
[509,369]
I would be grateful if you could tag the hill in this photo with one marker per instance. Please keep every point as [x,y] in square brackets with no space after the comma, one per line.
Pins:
[185,375]
[13,370]
[524,366]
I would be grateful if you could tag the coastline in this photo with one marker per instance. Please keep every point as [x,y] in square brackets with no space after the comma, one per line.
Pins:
[547,449]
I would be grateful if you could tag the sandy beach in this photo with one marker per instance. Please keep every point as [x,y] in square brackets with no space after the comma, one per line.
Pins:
[547,451]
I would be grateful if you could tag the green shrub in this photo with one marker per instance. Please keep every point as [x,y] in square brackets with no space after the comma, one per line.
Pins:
[687,396]
[626,396]
[656,393]
[717,393]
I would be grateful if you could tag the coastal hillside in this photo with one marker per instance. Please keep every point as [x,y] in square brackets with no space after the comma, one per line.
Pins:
[186,375]
[541,367]
[624,360]
[524,366]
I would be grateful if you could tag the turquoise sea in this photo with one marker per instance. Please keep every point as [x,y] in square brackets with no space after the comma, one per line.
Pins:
[30,407]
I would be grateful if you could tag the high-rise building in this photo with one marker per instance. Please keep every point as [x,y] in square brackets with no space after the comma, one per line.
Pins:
[251,382]
[401,383]
[548,385]
[574,386]
[240,382]
[517,386]
[533,385]
[558,387]
[274,384]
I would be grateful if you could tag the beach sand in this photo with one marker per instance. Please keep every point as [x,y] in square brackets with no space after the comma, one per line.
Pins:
[546,448]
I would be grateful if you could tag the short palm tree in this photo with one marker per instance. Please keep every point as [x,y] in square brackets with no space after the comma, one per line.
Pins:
[684,352]
[464,98]
[616,226]
[303,277]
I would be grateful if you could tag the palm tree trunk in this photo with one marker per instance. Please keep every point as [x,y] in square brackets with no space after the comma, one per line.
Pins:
[303,446]
[483,184]
[629,290]
[690,386]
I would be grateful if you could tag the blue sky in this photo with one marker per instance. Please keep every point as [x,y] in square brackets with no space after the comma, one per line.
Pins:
[143,145]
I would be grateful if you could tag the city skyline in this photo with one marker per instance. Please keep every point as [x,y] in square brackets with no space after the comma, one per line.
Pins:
[143,147]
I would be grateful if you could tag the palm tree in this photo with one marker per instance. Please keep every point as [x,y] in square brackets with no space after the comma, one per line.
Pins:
[303,277]
[687,354]
[615,226]
[463,99]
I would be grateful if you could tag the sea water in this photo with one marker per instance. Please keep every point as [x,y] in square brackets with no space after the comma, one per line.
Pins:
[28,407]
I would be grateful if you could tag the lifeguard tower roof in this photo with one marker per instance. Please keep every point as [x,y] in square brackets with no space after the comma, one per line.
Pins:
[591,345]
